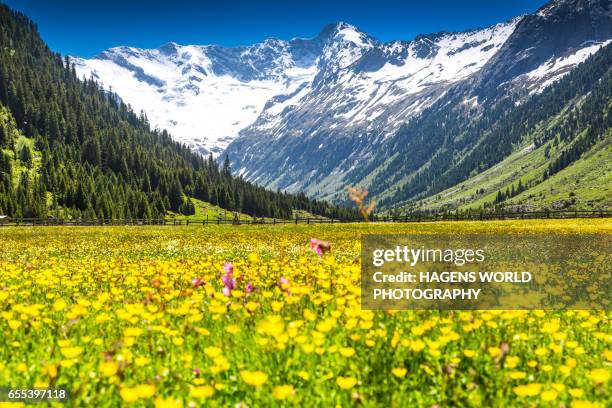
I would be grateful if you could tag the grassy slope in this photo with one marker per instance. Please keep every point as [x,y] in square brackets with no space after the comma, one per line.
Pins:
[588,179]
[204,209]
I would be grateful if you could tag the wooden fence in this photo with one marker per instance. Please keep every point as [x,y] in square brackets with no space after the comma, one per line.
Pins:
[413,217]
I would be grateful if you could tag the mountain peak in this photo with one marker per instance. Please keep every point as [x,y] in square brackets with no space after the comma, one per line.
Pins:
[169,48]
[345,32]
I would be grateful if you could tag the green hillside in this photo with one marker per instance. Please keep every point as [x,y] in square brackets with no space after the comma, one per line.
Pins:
[585,184]
[68,146]
[558,151]
[457,155]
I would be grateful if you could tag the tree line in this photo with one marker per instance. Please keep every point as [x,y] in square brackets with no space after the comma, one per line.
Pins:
[93,157]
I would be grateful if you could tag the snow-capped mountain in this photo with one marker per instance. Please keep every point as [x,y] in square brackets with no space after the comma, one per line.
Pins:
[205,95]
[303,114]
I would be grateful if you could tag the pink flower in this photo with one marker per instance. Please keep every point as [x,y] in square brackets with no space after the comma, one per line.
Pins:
[229,282]
[197,372]
[249,287]
[319,247]
[283,283]
[313,243]
[197,282]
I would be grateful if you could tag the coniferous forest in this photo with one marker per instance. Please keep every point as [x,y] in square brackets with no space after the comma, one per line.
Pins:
[69,147]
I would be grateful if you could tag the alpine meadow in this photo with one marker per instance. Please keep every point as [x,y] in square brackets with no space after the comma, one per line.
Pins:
[193,224]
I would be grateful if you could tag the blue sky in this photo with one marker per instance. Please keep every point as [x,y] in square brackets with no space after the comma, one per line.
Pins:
[84,28]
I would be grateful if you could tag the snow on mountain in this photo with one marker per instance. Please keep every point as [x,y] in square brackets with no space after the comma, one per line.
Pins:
[302,114]
[557,66]
[362,93]
[204,95]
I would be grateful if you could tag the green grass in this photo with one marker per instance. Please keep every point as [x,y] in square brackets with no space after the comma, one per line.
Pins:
[206,210]
[587,180]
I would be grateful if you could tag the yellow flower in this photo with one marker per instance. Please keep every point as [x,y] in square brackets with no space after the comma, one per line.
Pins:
[14,324]
[494,351]
[347,351]
[346,382]
[59,305]
[283,391]
[50,370]
[417,345]
[145,390]
[584,404]
[576,392]
[303,375]
[132,332]
[129,394]
[168,403]
[212,352]
[178,341]
[109,368]
[511,361]
[550,327]
[71,352]
[204,391]
[399,372]
[469,353]
[549,395]
[600,375]
[529,390]
[517,375]
[254,378]
[540,351]
[141,361]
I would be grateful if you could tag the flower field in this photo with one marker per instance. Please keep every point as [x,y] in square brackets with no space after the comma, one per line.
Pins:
[260,316]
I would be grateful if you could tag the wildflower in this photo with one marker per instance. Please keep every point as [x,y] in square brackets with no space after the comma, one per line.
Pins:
[145,390]
[249,288]
[204,391]
[347,351]
[109,368]
[197,282]
[549,395]
[599,375]
[576,392]
[529,390]
[283,391]
[495,351]
[319,247]
[399,372]
[517,375]
[212,352]
[168,403]
[71,352]
[254,378]
[511,362]
[346,382]
[129,394]
[59,305]
[229,282]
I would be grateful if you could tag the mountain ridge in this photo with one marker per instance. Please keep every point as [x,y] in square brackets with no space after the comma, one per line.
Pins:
[329,122]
